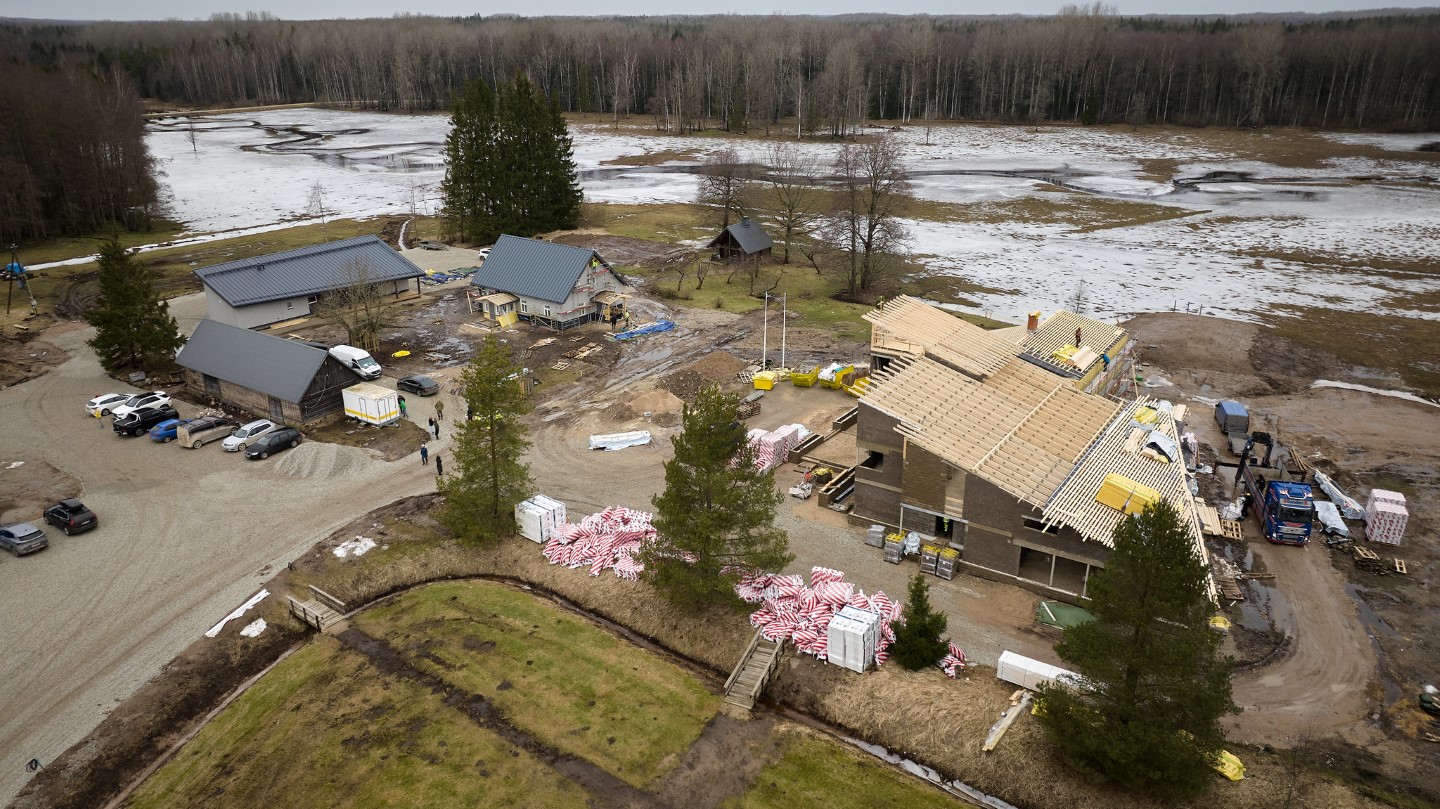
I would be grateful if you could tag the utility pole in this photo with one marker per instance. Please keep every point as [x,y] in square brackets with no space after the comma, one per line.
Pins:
[784,321]
[765,335]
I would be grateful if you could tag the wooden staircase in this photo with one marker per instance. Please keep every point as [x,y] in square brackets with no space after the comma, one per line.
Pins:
[321,611]
[753,671]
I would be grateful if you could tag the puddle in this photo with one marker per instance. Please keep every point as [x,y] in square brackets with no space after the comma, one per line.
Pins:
[1265,607]
[1376,628]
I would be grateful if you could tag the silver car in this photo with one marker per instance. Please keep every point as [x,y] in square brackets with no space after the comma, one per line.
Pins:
[248,434]
[22,538]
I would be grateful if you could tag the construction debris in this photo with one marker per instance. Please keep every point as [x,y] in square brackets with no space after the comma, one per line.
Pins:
[1019,702]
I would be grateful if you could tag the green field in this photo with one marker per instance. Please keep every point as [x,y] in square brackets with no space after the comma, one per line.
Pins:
[815,772]
[324,728]
[552,673]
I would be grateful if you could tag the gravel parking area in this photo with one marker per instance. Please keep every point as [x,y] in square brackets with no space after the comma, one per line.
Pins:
[185,536]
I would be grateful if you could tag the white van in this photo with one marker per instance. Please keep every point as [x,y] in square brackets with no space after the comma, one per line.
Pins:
[357,360]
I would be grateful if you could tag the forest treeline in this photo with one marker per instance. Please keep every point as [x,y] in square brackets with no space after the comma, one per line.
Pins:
[72,153]
[825,75]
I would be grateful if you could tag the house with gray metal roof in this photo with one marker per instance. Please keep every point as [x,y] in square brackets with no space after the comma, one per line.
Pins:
[286,381]
[744,240]
[555,285]
[257,292]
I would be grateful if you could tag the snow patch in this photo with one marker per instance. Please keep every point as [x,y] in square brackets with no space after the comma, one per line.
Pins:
[358,546]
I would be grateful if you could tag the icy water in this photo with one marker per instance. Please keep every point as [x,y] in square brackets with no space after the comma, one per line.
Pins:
[1247,240]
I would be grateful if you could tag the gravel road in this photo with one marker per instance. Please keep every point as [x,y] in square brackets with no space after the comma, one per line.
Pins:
[185,536]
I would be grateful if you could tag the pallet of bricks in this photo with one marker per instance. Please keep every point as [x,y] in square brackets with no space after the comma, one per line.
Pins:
[894,548]
[938,561]
[1385,517]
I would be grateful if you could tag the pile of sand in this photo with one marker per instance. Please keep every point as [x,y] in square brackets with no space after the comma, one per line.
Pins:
[718,366]
[657,401]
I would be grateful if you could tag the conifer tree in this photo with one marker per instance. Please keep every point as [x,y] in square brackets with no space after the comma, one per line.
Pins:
[1153,687]
[490,473]
[510,163]
[918,643]
[716,517]
[133,326]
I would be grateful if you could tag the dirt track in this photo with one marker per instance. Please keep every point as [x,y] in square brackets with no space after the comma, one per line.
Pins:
[185,537]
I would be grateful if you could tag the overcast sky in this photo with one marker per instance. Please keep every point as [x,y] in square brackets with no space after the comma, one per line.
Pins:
[319,9]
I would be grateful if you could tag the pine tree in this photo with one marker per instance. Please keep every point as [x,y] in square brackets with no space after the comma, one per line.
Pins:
[133,326]
[490,475]
[510,163]
[1147,711]
[716,517]
[918,643]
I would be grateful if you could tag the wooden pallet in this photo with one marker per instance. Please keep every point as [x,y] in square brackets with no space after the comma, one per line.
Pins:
[548,341]
[1229,588]
[577,338]
[561,365]
[1232,530]
[1400,566]
[587,351]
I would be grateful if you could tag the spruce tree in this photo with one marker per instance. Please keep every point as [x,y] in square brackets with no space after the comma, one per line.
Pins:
[716,517]
[490,474]
[918,643]
[1154,686]
[510,163]
[133,326]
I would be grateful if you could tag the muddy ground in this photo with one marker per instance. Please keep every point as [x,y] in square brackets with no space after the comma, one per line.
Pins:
[1362,441]
[25,355]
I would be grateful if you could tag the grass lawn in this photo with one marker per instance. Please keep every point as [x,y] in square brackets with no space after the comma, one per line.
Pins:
[1407,346]
[326,729]
[823,773]
[553,674]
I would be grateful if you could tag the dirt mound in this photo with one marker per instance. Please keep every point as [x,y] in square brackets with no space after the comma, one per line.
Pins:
[657,401]
[686,384]
[27,358]
[718,366]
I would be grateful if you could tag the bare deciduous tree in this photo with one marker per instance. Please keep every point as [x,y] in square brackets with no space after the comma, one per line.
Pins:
[863,224]
[724,185]
[790,196]
[363,307]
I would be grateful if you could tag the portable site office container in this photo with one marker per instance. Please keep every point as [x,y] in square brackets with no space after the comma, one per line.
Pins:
[1028,673]
[852,637]
[539,517]
[371,404]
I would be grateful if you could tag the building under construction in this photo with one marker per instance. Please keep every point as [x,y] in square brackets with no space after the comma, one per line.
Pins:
[1003,445]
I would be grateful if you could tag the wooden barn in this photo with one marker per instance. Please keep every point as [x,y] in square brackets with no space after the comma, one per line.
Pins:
[283,380]
[743,241]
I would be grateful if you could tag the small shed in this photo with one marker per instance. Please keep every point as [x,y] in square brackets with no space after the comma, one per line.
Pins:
[745,240]
[284,380]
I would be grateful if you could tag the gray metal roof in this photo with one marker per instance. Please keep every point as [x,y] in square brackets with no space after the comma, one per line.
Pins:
[272,365]
[306,271]
[748,234]
[533,269]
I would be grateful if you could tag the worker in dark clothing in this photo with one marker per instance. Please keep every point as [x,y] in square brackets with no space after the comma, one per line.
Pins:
[1245,501]
[439,410]
[424,455]
[439,465]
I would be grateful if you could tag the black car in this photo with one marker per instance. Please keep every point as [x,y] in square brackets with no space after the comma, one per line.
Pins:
[71,517]
[139,422]
[423,385]
[272,442]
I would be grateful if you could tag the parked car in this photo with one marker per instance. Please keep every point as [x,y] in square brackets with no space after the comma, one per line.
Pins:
[141,401]
[165,431]
[423,385]
[22,538]
[140,421]
[248,434]
[102,405]
[71,517]
[484,253]
[281,438]
[203,430]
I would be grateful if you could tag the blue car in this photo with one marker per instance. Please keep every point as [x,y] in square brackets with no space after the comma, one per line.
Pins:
[164,432]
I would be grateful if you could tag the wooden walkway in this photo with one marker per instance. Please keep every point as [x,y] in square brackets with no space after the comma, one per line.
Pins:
[321,611]
[752,672]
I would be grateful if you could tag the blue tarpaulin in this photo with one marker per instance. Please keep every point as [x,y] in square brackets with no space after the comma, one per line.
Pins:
[649,328]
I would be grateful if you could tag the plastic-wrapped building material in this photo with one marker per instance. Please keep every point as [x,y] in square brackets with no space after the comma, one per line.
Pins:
[1329,516]
[1385,522]
[853,637]
[539,517]
[1029,673]
[1347,505]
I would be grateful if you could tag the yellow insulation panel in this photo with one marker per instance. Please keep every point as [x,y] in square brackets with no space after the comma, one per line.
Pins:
[1123,494]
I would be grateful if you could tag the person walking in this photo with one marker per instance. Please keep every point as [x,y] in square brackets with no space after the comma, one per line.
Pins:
[439,465]
[439,410]
[436,426]
[469,413]
[430,422]
[424,455]
[401,401]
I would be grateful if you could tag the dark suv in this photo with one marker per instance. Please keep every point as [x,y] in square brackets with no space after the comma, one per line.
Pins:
[139,422]
[71,516]
[272,442]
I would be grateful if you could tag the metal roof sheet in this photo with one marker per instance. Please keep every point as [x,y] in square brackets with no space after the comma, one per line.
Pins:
[533,269]
[748,234]
[306,271]
[272,365]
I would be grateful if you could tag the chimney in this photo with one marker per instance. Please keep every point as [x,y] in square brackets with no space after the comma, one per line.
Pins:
[1032,322]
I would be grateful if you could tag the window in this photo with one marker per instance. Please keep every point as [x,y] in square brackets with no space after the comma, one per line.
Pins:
[312,300]
[547,311]
[1035,524]
[874,460]
[525,306]
[289,304]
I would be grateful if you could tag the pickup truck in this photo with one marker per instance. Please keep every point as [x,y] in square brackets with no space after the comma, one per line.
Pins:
[203,430]
[138,422]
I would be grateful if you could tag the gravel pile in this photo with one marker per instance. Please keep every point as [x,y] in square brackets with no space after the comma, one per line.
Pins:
[314,459]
